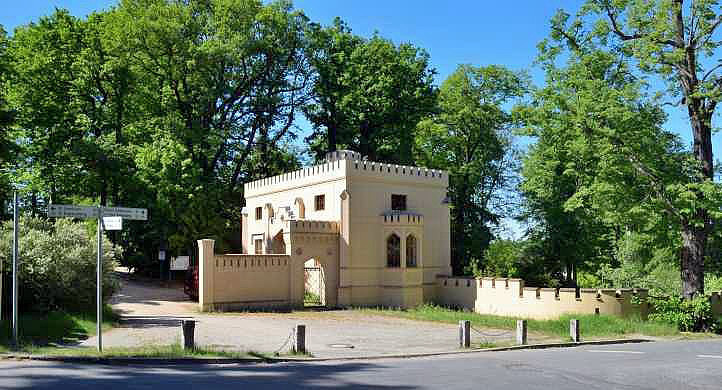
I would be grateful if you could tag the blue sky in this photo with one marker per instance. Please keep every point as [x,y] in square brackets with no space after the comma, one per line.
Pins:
[453,32]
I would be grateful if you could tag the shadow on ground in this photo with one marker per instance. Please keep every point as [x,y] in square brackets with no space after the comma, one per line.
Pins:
[277,376]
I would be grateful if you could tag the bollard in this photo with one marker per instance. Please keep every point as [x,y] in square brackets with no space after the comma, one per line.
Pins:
[521,332]
[189,327]
[574,330]
[300,346]
[464,334]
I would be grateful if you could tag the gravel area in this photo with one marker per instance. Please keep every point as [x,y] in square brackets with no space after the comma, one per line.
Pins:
[151,313]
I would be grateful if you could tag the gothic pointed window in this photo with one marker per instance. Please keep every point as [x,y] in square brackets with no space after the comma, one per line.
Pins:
[393,251]
[411,251]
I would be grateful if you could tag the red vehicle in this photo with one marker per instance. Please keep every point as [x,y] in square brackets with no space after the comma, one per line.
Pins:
[191,283]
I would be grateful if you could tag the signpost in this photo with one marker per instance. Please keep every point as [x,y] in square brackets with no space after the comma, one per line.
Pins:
[15,270]
[113,216]
[179,263]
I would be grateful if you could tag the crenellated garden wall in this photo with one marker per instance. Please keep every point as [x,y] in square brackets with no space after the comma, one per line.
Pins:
[509,297]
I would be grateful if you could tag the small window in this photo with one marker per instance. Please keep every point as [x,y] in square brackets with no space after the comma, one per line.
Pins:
[258,246]
[398,202]
[320,202]
[393,251]
[259,213]
[411,251]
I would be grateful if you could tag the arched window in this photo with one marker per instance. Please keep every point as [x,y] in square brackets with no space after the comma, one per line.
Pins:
[411,251]
[300,209]
[393,251]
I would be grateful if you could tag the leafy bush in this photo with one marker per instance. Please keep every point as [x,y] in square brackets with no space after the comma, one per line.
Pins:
[693,315]
[57,264]
[712,283]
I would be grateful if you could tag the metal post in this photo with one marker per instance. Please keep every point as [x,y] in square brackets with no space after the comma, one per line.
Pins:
[521,332]
[574,330]
[99,282]
[464,334]
[15,270]
[188,334]
[300,346]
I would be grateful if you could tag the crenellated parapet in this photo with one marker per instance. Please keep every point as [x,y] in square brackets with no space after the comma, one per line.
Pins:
[240,263]
[344,165]
[309,226]
[509,297]
[402,219]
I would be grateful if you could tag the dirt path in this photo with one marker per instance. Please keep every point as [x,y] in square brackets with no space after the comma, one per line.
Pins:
[151,314]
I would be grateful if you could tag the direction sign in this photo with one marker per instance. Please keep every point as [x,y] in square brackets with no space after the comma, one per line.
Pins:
[86,212]
[72,211]
[179,263]
[113,223]
[113,220]
[126,213]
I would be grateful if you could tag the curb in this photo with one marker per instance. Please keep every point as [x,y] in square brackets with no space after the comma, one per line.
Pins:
[270,360]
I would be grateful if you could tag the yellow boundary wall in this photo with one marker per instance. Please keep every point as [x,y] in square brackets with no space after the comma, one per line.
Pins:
[509,297]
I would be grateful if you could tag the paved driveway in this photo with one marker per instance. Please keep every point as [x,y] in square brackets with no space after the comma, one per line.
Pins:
[151,313]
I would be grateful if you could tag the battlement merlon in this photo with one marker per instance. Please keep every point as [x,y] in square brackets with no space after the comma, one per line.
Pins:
[347,169]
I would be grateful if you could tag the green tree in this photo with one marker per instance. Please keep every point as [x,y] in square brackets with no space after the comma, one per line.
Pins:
[471,138]
[330,52]
[7,146]
[368,94]
[604,169]
[674,41]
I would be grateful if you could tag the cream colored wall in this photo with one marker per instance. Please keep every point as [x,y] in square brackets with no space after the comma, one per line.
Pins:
[361,275]
[326,179]
[509,297]
[364,274]
[229,282]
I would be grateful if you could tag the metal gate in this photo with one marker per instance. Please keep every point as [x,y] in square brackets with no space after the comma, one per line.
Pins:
[313,286]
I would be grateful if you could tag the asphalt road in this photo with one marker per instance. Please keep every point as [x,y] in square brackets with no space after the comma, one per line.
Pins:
[661,365]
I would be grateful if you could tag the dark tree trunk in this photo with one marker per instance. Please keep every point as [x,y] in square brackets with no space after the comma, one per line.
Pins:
[365,141]
[332,137]
[695,233]
[694,242]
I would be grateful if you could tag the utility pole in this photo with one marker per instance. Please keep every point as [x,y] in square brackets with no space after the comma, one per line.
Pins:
[99,296]
[15,270]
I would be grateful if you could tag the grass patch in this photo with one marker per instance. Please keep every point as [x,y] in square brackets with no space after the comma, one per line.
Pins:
[311,299]
[150,351]
[54,328]
[172,351]
[592,326]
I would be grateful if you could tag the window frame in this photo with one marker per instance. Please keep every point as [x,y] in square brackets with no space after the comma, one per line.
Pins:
[412,251]
[393,260]
[394,203]
[259,213]
[319,200]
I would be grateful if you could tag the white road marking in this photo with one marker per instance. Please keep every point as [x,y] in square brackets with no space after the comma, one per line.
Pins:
[611,351]
[710,356]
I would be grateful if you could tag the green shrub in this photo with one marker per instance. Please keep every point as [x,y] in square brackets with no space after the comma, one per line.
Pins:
[693,315]
[57,264]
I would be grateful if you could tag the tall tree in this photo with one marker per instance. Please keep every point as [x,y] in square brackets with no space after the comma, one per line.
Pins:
[471,138]
[368,94]
[330,52]
[7,146]
[219,81]
[676,41]
[604,170]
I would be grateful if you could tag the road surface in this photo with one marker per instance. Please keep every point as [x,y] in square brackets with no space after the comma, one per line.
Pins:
[661,365]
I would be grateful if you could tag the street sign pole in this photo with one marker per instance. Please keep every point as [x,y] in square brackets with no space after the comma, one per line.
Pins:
[15,270]
[114,223]
[100,280]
